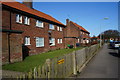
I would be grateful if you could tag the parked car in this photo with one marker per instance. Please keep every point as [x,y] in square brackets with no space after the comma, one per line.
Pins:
[114,44]
[119,50]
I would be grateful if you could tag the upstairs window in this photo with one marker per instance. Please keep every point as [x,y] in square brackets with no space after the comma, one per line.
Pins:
[18,18]
[27,20]
[27,40]
[51,26]
[52,41]
[59,28]
[39,23]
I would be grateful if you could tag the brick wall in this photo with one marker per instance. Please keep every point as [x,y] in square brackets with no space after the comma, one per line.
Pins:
[11,48]
[5,49]
[29,30]
[71,31]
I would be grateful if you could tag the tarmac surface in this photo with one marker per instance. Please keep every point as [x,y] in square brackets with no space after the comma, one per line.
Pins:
[103,65]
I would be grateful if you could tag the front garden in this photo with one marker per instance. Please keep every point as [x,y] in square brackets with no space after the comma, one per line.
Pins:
[36,60]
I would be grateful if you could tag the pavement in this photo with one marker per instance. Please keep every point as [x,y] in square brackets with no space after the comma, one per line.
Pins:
[11,74]
[103,65]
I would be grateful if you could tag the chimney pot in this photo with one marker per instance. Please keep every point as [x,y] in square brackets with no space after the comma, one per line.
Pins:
[28,3]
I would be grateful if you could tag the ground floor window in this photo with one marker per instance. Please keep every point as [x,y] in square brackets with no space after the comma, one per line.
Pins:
[27,40]
[39,42]
[59,41]
[52,41]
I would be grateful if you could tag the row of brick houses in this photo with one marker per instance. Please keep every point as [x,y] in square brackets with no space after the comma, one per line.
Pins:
[26,31]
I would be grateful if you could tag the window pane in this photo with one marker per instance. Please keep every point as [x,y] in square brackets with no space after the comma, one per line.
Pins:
[27,40]
[36,22]
[17,18]
[20,19]
[58,40]
[60,28]
[51,26]
[52,40]
[25,20]
[39,42]
[61,41]
[28,21]
[39,23]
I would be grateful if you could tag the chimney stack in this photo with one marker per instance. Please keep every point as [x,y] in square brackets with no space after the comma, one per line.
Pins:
[28,3]
[67,21]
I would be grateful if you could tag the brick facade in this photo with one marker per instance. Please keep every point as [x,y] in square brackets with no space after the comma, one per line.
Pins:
[72,34]
[14,33]
[17,40]
[75,33]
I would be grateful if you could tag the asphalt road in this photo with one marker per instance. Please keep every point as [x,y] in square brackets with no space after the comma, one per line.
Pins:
[103,65]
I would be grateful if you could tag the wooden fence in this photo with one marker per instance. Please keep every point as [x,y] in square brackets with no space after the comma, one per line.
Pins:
[61,67]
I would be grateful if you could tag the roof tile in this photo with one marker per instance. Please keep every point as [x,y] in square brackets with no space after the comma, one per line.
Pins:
[80,27]
[24,8]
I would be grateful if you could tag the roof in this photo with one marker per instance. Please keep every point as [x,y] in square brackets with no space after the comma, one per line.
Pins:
[22,7]
[80,27]
[95,37]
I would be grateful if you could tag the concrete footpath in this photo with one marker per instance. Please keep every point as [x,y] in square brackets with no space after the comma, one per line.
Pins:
[103,65]
[9,74]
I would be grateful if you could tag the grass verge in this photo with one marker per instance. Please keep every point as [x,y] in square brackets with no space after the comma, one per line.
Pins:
[36,60]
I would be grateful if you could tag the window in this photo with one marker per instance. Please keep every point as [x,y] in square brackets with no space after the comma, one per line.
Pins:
[39,42]
[59,41]
[18,18]
[27,20]
[59,28]
[27,40]
[39,23]
[81,32]
[78,40]
[51,26]
[52,41]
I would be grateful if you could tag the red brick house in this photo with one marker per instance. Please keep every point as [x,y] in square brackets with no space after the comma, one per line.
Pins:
[75,33]
[26,31]
[95,40]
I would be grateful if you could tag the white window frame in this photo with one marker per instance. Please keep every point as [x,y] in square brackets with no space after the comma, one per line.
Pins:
[60,41]
[26,20]
[81,32]
[39,42]
[51,26]
[27,40]
[18,18]
[60,28]
[39,23]
[52,40]
[78,40]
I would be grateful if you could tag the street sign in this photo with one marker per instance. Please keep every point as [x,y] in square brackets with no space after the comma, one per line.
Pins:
[61,61]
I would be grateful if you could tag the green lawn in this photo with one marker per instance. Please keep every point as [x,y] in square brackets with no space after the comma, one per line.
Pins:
[32,61]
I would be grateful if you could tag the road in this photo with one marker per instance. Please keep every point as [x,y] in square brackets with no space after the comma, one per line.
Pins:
[103,65]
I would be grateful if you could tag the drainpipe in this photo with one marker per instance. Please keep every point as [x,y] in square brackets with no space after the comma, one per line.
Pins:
[9,40]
